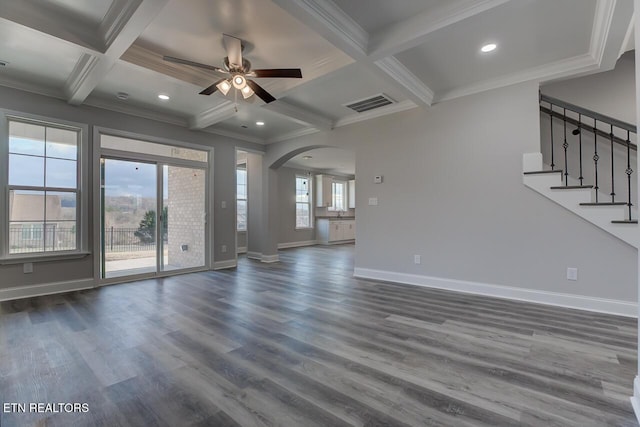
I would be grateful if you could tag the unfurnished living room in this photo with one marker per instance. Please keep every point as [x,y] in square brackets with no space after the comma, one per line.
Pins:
[319,213]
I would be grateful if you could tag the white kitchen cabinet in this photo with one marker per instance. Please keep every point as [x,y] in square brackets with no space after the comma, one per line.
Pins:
[323,191]
[332,231]
[352,194]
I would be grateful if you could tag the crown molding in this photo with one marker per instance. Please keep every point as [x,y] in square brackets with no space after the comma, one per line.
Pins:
[299,115]
[331,22]
[235,135]
[605,10]
[292,135]
[118,15]
[213,115]
[555,70]
[120,107]
[413,31]
[378,112]
[81,72]
[396,70]
[13,83]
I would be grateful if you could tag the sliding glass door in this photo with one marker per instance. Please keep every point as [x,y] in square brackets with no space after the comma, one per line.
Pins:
[153,217]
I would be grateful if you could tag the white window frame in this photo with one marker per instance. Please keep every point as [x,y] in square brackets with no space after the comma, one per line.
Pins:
[332,208]
[82,182]
[309,202]
[246,186]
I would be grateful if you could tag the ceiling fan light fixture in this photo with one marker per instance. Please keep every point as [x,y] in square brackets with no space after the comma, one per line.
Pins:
[224,86]
[247,92]
[239,82]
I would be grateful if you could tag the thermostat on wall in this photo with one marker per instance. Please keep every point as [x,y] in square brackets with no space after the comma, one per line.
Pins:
[377,179]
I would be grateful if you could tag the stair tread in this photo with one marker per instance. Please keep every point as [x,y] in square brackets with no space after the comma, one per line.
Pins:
[543,172]
[605,204]
[625,221]
[571,187]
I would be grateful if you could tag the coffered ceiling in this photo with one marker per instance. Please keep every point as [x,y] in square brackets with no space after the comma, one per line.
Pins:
[415,52]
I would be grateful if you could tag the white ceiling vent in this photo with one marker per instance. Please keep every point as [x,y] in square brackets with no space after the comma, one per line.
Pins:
[370,103]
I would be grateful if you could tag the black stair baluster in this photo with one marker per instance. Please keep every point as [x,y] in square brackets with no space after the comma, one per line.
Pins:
[565,145]
[629,171]
[595,155]
[581,178]
[613,192]
[551,120]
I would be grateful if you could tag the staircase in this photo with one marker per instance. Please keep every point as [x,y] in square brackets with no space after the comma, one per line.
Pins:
[598,154]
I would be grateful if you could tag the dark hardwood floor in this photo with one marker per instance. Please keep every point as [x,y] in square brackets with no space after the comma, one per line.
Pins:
[302,343]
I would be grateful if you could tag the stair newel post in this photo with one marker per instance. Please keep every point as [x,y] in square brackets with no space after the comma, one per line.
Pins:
[581,178]
[613,193]
[629,171]
[595,155]
[565,145]
[553,166]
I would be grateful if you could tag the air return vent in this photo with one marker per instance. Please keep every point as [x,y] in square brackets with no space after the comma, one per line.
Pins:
[371,103]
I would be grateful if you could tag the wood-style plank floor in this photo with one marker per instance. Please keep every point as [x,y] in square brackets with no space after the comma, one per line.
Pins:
[303,343]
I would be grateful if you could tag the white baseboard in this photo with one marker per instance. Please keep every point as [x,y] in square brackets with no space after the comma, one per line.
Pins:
[600,305]
[242,250]
[263,258]
[17,292]
[297,244]
[230,263]
[635,399]
[270,258]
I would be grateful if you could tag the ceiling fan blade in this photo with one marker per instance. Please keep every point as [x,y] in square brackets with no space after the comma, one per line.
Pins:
[294,73]
[233,45]
[212,88]
[193,64]
[263,94]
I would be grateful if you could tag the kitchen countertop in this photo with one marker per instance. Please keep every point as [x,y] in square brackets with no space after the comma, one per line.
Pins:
[335,218]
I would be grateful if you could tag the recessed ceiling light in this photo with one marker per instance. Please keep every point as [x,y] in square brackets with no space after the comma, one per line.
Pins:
[122,96]
[259,123]
[3,63]
[163,97]
[489,47]
[243,126]
[307,157]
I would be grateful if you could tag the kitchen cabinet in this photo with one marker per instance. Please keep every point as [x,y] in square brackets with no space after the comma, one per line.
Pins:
[352,194]
[323,191]
[333,231]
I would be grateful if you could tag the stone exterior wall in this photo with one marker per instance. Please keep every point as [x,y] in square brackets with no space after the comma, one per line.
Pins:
[186,207]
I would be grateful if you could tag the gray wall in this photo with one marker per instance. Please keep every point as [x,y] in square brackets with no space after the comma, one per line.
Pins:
[453,193]
[224,177]
[287,232]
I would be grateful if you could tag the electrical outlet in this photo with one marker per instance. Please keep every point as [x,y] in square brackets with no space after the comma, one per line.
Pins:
[27,268]
[223,249]
[224,204]
[417,259]
[572,273]
[373,201]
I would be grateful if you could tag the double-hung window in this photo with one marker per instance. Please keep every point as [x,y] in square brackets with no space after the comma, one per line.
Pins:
[338,196]
[303,202]
[43,180]
[241,197]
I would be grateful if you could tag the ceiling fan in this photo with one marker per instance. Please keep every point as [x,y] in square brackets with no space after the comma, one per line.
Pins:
[237,71]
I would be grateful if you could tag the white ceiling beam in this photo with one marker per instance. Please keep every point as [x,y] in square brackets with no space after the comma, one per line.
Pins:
[414,87]
[331,22]
[414,31]
[213,115]
[300,115]
[123,24]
